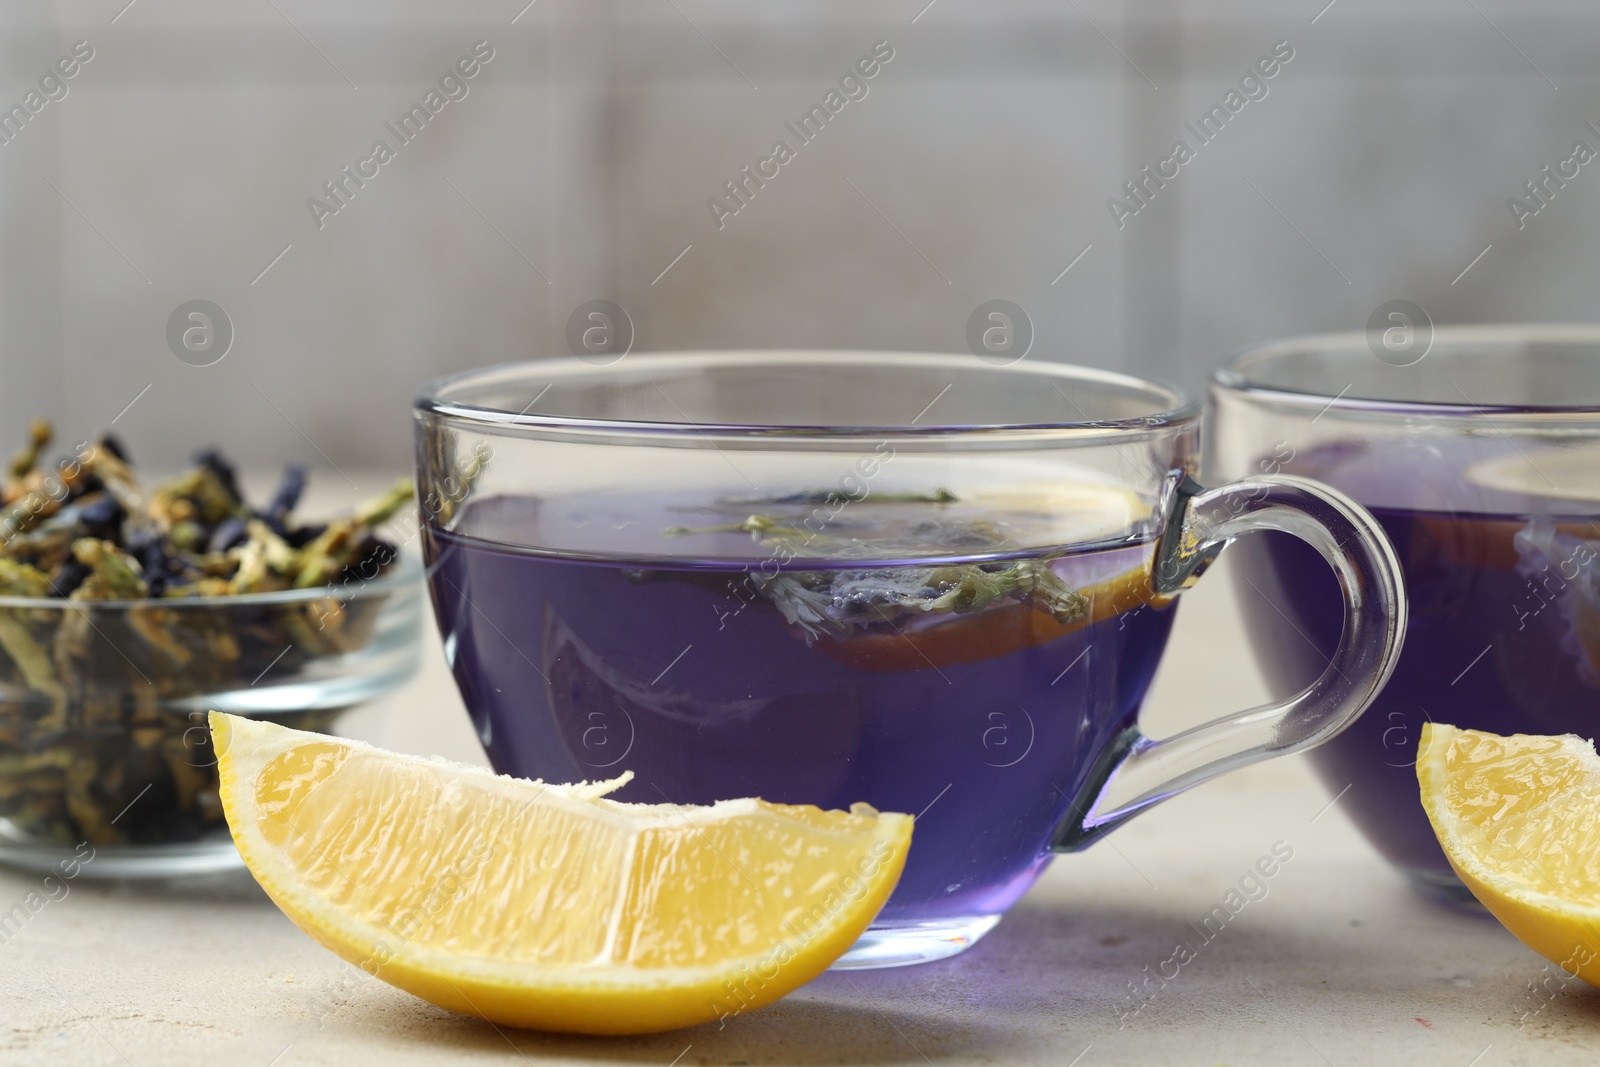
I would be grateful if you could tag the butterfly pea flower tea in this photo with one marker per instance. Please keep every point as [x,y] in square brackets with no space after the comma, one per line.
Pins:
[1481,462]
[750,575]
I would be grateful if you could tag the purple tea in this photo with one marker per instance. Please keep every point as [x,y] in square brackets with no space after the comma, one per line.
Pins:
[916,660]
[1504,630]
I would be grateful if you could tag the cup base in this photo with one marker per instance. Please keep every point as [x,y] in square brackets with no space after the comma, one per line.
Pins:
[902,944]
[1443,888]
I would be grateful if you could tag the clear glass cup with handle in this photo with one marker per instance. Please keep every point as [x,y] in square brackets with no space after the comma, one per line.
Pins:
[923,582]
[1477,448]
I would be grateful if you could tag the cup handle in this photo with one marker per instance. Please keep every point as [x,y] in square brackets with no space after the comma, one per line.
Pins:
[1135,771]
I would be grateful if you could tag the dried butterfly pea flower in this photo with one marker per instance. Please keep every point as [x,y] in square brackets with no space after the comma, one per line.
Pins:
[147,621]
[27,458]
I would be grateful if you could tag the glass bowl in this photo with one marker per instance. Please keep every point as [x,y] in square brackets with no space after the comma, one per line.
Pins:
[105,757]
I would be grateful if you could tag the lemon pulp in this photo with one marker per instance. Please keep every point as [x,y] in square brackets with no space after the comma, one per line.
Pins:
[1519,819]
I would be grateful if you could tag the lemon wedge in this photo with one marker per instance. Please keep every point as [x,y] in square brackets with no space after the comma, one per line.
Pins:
[1519,819]
[549,906]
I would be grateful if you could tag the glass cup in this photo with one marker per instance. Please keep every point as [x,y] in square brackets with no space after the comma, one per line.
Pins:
[1478,454]
[931,584]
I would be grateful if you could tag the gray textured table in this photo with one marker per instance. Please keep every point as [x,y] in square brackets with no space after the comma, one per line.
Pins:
[1337,964]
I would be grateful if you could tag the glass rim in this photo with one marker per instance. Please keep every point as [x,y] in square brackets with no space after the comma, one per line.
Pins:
[1175,407]
[406,570]
[1234,376]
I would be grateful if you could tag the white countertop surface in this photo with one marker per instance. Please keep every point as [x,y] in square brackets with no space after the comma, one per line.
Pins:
[1338,964]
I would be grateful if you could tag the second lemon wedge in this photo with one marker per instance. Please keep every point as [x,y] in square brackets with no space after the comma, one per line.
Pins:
[548,906]
[1519,819]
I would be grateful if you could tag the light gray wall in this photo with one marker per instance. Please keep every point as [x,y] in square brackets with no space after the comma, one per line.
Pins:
[978,166]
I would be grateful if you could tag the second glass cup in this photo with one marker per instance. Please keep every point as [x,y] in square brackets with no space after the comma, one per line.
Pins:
[923,582]
[1480,456]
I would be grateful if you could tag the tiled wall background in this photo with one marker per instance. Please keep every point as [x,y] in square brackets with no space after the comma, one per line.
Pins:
[578,167]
